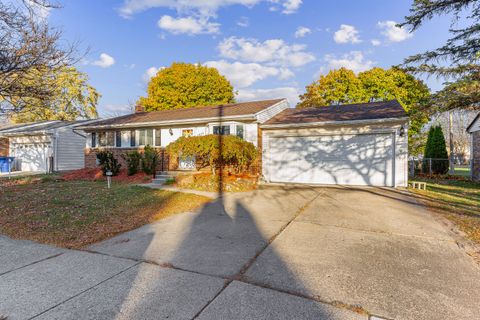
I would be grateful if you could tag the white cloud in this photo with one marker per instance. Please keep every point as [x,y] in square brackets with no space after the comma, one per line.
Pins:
[245,74]
[288,6]
[392,32]
[105,61]
[243,22]
[273,52]
[290,93]
[375,42]
[353,60]
[150,72]
[346,34]
[206,8]
[114,110]
[188,25]
[302,32]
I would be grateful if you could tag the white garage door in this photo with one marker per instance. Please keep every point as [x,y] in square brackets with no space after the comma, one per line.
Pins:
[364,159]
[32,156]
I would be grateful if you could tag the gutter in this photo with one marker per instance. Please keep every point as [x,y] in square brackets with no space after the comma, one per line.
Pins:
[331,123]
[164,123]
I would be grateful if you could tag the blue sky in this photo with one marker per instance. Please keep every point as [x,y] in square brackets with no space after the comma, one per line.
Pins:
[267,48]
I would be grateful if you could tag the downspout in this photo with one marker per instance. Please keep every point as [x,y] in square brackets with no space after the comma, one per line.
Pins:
[55,151]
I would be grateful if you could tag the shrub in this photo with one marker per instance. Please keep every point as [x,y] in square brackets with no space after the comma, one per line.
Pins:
[108,162]
[150,160]
[235,151]
[436,150]
[133,159]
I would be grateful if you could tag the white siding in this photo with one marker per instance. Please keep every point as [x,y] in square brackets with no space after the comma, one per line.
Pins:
[272,111]
[251,133]
[168,138]
[69,148]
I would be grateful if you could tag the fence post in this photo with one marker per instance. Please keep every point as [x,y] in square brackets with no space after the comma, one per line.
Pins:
[430,166]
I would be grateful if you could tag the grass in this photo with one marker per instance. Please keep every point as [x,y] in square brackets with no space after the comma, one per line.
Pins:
[462,171]
[458,200]
[74,214]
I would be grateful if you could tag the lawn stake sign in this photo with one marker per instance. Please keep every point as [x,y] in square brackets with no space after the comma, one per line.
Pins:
[109,178]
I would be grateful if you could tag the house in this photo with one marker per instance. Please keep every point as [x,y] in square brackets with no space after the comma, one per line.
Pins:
[360,144]
[474,130]
[45,145]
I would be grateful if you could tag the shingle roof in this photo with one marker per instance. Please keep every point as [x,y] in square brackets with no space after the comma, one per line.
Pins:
[38,126]
[347,112]
[226,110]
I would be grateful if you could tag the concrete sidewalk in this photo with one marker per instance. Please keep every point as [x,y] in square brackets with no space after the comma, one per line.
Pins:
[276,253]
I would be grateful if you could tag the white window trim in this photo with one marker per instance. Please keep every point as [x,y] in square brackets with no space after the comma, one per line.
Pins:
[232,124]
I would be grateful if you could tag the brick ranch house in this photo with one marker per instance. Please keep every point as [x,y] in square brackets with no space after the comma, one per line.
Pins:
[474,130]
[357,144]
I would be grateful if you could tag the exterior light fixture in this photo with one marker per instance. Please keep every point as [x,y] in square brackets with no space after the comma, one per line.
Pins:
[170,131]
[401,133]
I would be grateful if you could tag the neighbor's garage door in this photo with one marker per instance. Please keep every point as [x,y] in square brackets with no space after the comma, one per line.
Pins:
[31,156]
[363,159]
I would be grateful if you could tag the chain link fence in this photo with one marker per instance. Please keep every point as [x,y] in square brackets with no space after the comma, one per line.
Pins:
[435,166]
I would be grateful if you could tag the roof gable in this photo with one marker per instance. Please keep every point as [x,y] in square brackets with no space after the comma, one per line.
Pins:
[474,125]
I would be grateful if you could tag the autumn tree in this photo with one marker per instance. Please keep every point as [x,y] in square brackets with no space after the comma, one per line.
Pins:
[336,87]
[30,50]
[185,85]
[377,84]
[71,97]
[457,61]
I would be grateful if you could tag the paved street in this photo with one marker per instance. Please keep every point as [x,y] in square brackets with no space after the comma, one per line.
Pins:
[276,253]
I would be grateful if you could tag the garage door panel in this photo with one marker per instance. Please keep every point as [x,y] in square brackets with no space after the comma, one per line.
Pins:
[346,159]
[32,157]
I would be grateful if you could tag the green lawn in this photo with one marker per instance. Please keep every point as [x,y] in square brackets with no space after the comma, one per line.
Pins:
[462,171]
[77,213]
[457,200]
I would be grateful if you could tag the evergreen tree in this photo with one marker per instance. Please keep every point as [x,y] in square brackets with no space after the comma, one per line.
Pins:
[436,150]
[457,60]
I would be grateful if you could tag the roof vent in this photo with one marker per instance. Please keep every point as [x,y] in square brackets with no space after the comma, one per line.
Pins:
[139,108]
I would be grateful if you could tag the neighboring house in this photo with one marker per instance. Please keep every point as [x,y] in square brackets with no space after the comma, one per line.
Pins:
[45,145]
[474,130]
[361,144]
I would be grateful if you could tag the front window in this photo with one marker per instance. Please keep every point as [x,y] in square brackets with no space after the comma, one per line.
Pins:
[94,140]
[158,137]
[187,133]
[118,139]
[145,137]
[223,130]
[110,138]
[105,139]
[240,131]
[132,138]
[102,139]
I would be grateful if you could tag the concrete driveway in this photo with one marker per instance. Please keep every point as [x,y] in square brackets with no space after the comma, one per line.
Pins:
[277,253]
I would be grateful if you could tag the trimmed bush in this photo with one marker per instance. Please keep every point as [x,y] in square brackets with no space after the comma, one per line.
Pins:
[150,160]
[233,151]
[133,159]
[108,162]
[436,149]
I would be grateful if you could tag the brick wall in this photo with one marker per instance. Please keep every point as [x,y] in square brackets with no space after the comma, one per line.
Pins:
[91,157]
[4,144]
[476,156]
